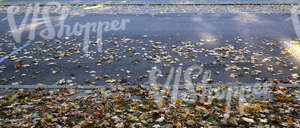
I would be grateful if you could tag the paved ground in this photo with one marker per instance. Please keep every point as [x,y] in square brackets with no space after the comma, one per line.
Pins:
[245,47]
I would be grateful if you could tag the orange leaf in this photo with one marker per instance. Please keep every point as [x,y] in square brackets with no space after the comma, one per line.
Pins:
[179,101]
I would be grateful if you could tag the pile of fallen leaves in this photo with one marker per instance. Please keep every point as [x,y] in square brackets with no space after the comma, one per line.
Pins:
[135,107]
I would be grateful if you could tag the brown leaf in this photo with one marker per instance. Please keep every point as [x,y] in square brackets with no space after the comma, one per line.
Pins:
[233,120]
[99,78]
[289,121]
[17,66]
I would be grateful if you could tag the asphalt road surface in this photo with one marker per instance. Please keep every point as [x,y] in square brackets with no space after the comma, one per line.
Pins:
[238,47]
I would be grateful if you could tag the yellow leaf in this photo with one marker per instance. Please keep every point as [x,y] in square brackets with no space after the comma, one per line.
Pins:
[257,107]
[233,67]
[246,68]
[273,44]
[50,117]
[295,67]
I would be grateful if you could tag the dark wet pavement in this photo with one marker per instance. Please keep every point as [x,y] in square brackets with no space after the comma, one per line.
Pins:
[162,41]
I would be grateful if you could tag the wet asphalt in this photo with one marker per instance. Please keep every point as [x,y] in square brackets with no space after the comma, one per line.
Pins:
[162,41]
